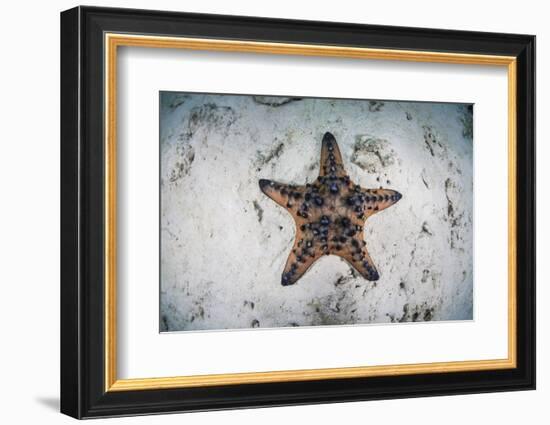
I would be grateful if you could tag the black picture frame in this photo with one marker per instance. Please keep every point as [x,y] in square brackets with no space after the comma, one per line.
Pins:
[83,392]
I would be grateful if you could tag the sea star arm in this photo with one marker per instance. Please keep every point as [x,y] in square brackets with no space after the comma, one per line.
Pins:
[331,159]
[287,196]
[360,259]
[376,200]
[304,253]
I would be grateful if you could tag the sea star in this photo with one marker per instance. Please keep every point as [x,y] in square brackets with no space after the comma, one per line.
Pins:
[330,215]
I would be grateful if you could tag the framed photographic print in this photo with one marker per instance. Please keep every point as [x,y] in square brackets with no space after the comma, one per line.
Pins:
[261,212]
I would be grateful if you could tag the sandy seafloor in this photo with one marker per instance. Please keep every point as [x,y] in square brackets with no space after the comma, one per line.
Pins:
[224,243]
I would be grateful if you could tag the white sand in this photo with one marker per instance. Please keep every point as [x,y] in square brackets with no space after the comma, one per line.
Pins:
[224,243]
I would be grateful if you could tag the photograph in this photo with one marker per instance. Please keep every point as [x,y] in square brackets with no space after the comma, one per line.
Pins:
[300,208]
[287,211]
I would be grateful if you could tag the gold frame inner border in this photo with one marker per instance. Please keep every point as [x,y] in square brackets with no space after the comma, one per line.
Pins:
[113,41]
